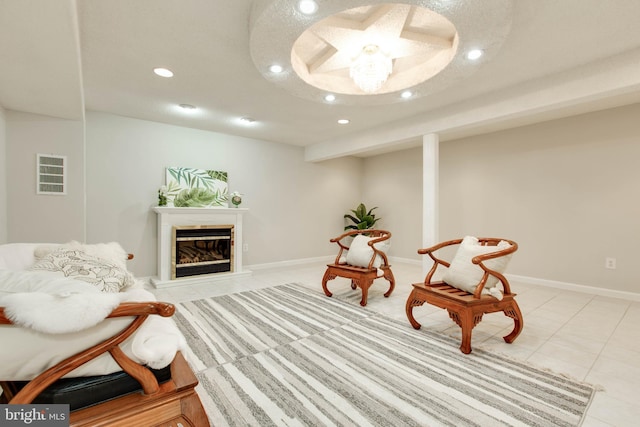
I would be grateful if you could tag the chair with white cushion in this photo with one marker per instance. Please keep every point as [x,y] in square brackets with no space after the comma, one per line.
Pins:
[469,286]
[77,328]
[362,260]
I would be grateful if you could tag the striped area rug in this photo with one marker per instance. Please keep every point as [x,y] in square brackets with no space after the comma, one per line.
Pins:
[289,356]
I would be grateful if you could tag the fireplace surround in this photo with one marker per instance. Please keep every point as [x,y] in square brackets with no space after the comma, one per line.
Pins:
[194,223]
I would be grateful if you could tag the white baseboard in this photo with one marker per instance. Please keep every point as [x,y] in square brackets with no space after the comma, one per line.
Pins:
[395,259]
[633,296]
[301,261]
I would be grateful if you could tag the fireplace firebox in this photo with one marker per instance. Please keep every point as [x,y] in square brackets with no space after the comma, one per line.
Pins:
[201,249]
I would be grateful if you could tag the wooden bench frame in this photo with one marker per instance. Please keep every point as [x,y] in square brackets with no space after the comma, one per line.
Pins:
[166,404]
[464,308]
[361,277]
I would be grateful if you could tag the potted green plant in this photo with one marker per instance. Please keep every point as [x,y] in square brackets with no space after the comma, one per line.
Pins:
[362,218]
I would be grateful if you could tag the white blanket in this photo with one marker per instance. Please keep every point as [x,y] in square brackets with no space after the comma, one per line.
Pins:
[59,313]
[58,317]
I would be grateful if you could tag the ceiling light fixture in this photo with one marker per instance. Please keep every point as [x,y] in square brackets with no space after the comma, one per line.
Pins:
[275,68]
[474,54]
[330,97]
[406,94]
[163,72]
[343,121]
[308,7]
[371,68]
[187,107]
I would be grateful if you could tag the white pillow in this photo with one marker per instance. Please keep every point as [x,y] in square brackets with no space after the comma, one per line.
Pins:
[464,274]
[106,275]
[111,251]
[360,252]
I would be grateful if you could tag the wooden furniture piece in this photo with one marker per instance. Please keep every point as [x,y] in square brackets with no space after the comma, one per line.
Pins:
[156,404]
[466,309]
[364,275]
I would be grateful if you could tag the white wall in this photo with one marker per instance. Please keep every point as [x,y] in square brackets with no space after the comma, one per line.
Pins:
[565,190]
[393,182]
[295,207]
[3,177]
[43,218]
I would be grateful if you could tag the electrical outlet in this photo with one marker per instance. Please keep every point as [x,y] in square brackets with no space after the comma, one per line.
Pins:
[610,263]
[245,247]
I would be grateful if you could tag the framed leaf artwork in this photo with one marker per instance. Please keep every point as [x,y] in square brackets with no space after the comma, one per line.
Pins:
[196,188]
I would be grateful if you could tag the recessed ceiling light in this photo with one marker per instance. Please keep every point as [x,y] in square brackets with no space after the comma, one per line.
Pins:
[163,72]
[275,68]
[330,97]
[188,107]
[406,94]
[343,121]
[307,7]
[474,54]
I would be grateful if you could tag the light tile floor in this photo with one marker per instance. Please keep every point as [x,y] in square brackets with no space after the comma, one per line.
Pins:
[587,337]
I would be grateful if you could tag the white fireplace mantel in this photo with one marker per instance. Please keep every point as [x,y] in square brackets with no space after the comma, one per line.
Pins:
[170,216]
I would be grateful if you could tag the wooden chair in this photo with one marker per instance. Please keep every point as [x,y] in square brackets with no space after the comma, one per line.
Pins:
[466,309]
[363,275]
[158,403]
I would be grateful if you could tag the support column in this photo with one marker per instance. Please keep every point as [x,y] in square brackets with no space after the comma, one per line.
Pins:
[430,208]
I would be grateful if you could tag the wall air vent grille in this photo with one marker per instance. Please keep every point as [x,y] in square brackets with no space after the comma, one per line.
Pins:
[52,174]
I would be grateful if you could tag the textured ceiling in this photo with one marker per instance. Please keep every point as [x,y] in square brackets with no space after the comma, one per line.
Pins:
[550,58]
[327,40]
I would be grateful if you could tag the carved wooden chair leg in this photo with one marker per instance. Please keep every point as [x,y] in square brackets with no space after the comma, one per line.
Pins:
[327,276]
[412,301]
[388,274]
[467,320]
[513,311]
[364,285]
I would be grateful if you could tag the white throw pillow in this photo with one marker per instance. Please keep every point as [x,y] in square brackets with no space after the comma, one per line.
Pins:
[464,274]
[360,252]
[108,276]
[111,251]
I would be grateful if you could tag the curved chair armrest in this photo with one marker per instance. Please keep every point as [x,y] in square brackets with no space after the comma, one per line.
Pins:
[139,311]
[439,246]
[479,260]
[122,310]
[342,246]
[382,235]
[163,309]
[497,254]
[437,261]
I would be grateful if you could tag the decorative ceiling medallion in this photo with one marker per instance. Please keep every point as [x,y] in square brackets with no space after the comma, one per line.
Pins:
[423,43]
[374,49]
